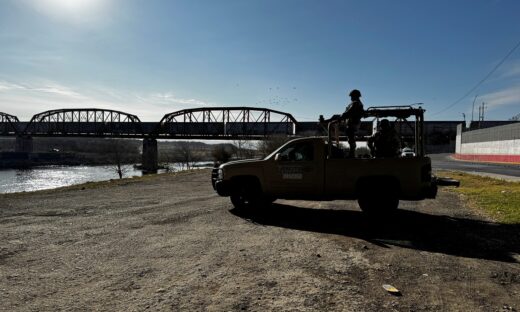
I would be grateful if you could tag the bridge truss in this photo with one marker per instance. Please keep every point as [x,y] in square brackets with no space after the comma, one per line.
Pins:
[88,122]
[225,123]
[8,124]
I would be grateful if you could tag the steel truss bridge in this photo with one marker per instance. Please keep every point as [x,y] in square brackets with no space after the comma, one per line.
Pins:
[9,124]
[199,123]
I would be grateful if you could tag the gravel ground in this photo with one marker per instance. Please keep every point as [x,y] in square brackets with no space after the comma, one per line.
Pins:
[170,243]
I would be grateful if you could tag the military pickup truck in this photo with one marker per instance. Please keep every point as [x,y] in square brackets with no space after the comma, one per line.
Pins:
[315,168]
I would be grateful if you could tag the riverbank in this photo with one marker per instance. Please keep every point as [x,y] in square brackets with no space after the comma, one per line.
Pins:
[50,177]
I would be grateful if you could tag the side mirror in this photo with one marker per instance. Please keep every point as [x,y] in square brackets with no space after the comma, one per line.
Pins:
[277,157]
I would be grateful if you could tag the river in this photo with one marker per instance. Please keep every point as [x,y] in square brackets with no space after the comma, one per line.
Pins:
[49,177]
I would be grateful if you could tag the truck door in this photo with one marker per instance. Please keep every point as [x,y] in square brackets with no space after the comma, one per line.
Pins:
[297,170]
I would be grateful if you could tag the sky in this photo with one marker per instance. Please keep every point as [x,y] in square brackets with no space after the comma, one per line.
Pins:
[153,57]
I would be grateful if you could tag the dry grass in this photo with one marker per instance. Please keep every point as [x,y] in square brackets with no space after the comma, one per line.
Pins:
[498,199]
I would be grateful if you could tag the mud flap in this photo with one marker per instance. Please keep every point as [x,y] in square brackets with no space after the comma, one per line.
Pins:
[441,181]
[431,192]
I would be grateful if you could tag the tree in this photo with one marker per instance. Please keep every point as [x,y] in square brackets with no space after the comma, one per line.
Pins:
[117,153]
[221,153]
[186,155]
[270,144]
[244,149]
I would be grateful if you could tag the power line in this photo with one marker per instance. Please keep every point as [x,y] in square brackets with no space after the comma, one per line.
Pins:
[480,82]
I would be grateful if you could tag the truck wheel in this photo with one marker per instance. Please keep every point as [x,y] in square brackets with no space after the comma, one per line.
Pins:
[378,204]
[240,201]
[249,196]
[378,195]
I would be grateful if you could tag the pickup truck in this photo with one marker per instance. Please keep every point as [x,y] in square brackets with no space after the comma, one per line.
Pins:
[314,168]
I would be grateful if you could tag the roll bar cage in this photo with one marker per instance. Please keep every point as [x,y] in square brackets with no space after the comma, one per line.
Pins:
[401,113]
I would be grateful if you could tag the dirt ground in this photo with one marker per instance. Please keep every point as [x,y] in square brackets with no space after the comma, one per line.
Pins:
[169,243]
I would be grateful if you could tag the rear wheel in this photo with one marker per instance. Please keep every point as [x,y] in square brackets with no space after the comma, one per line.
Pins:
[378,195]
[378,204]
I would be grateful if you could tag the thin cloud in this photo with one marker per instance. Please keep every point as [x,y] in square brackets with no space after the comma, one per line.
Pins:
[59,90]
[513,70]
[509,96]
[171,98]
[52,88]
[28,99]
[5,86]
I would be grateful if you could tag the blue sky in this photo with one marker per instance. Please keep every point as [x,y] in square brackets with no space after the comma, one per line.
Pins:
[153,57]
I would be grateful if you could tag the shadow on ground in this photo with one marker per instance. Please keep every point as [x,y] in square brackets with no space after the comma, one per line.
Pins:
[408,229]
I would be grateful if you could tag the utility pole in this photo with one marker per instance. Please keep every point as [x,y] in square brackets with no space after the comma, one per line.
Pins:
[473,108]
[481,110]
[479,115]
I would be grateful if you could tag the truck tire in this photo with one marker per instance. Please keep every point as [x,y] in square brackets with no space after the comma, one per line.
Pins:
[378,204]
[378,195]
[248,195]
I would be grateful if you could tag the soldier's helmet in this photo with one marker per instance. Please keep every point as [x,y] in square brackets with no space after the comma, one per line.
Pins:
[355,93]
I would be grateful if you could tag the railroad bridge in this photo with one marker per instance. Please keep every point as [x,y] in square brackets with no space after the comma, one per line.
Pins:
[207,123]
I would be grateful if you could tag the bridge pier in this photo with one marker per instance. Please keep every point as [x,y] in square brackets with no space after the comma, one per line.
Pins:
[150,156]
[24,144]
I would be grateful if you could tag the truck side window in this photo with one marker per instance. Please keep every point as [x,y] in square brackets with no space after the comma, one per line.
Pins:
[298,152]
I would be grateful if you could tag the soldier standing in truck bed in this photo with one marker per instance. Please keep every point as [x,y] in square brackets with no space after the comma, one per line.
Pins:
[353,114]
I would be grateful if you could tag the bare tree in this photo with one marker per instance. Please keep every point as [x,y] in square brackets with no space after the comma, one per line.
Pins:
[221,153]
[117,157]
[167,158]
[186,154]
[244,149]
[270,144]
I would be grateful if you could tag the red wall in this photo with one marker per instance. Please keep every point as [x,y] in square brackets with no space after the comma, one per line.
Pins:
[488,158]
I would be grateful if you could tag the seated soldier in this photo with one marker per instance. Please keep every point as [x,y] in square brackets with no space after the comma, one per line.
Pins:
[385,142]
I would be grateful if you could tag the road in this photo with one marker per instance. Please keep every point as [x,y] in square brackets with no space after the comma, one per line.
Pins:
[169,243]
[507,171]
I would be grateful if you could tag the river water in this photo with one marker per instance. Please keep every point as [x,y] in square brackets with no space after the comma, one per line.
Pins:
[49,177]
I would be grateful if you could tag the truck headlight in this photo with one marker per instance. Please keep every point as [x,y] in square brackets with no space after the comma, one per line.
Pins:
[220,175]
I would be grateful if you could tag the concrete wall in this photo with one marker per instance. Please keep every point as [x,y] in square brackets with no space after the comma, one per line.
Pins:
[500,144]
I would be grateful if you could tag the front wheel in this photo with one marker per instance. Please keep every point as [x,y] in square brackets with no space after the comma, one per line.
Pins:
[249,196]
[239,201]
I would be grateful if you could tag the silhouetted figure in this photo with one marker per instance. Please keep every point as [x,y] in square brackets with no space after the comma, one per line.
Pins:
[384,143]
[353,114]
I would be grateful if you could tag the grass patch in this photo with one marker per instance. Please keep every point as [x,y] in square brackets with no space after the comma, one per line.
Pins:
[498,199]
